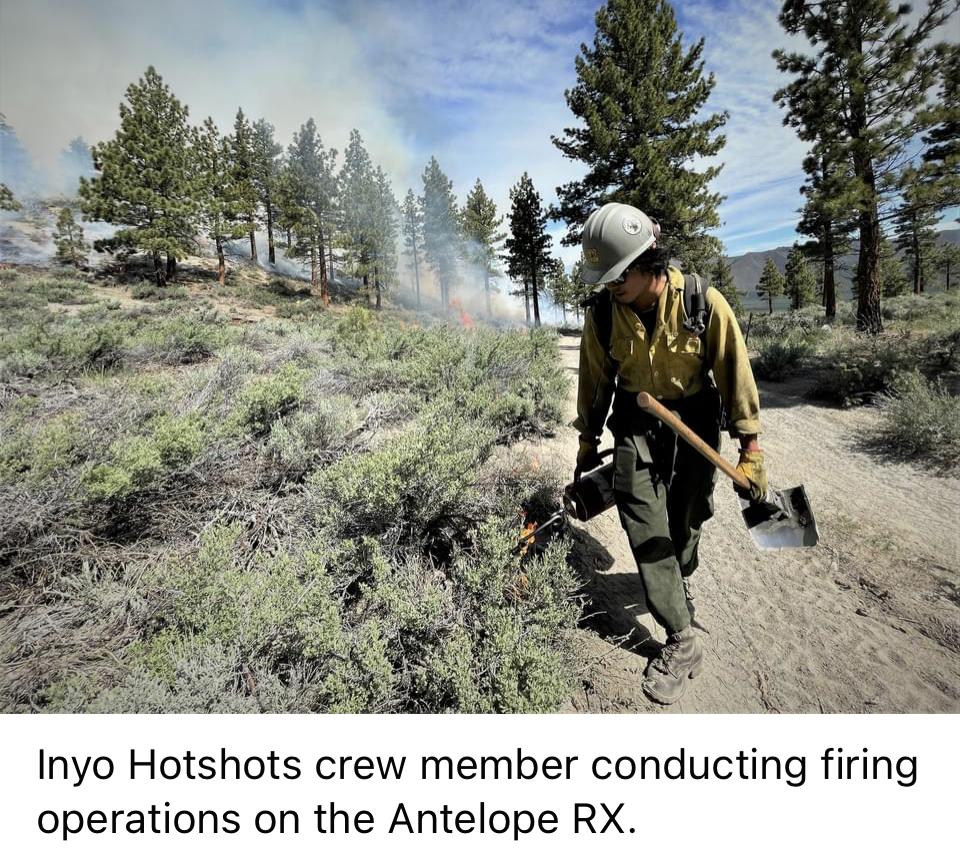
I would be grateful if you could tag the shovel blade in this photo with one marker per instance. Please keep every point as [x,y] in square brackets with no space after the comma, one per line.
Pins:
[784,521]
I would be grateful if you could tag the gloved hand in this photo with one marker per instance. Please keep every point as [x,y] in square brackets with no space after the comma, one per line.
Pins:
[751,465]
[587,458]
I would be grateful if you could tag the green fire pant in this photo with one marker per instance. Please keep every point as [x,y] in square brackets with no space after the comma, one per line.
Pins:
[664,494]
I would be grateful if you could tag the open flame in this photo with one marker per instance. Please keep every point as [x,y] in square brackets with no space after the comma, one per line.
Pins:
[462,315]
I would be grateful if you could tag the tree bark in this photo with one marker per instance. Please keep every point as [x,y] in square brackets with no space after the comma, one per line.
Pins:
[221,263]
[324,289]
[271,249]
[536,300]
[829,280]
[158,269]
[366,287]
[526,298]
[171,267]
[253,241]
[416,273]
[376,286]
[313,269]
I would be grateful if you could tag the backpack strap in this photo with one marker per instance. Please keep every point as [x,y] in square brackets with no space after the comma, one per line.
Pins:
[602,306]
[695,304]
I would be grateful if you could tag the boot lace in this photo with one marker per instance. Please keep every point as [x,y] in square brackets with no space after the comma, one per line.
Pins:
[662,661]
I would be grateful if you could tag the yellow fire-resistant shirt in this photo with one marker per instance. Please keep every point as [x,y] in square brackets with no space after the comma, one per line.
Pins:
[671,364]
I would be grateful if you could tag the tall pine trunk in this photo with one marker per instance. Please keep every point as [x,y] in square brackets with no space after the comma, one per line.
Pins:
[253,241]
[829,281]
[526,298]
[416,273]
[159,272]
[289,238]
[536,299]
[221,263]
[868,270]
[770,302]
[330,274]
[376,286]
[366,287]
[313,269]
[271,249]
[171,267]
[324,289]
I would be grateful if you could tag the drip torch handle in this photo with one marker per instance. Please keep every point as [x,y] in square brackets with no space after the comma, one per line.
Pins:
[649,404]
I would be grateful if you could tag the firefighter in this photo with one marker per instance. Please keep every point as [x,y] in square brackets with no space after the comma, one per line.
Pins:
[638,336]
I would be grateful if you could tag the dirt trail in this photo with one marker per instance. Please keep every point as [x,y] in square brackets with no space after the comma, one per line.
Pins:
[869,621]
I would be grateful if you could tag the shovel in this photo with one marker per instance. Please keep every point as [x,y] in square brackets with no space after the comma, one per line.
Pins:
[784,520]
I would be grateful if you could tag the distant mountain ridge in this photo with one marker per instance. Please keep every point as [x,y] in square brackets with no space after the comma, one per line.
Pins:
[748,267]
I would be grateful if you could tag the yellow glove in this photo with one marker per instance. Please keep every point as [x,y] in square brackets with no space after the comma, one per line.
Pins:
[751,465]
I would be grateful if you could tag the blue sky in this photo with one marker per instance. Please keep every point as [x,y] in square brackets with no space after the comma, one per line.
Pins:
[478,85]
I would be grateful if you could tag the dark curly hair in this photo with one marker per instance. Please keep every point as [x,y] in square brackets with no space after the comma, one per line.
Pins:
[654,260]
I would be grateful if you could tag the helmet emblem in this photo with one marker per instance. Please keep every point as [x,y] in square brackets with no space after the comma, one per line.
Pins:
[592,256]
[632,225]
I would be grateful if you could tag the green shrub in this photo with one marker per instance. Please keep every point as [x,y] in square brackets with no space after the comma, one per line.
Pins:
[859,368]
[781,359]
[266,398]
[298,441]
[138,461]
[51,447]
[920,420]
[151,292]
[419,485]
[177,339]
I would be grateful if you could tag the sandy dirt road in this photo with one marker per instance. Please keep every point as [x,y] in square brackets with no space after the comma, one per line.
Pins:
[869,621]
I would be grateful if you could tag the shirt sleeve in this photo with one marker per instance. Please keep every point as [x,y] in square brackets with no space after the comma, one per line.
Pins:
[595,383]
[727,357]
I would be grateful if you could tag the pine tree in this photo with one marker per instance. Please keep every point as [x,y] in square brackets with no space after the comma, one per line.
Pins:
[637,96]
[893,278]
[771,282]
[826,216]
[481,230]
[220,214]
[412,225]
[560,287]
[19,172]
[386,224]
[265,153]
[244,176]
[143,181]
[867,81]
[528,246]
[722,280]
[358,192]
[7,201]
[914,220]
[441,228]
[71,249]
[799,283]
[946,260]
[942,156]
[75,162]
[308,190]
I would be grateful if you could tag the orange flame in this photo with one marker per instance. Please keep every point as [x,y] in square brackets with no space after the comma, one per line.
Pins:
[462,315]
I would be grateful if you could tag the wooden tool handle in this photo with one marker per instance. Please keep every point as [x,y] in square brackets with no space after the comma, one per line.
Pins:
[648,403]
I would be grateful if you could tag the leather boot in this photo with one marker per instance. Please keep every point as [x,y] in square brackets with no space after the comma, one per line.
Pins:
[667,674]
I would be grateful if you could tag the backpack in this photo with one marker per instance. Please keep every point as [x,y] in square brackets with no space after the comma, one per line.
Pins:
[694,305]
